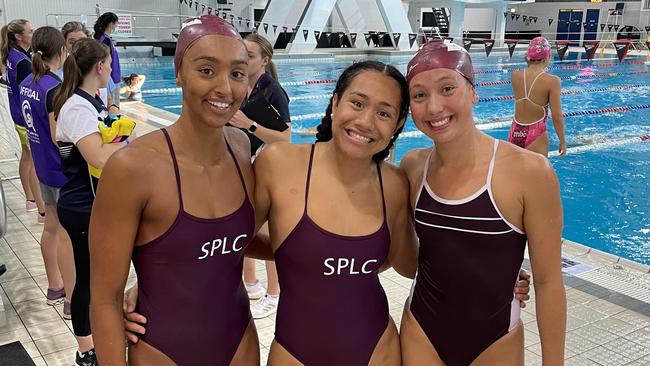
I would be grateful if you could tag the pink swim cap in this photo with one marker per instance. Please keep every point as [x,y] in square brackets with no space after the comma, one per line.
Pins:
[539,49]
[197,27]
[437,54]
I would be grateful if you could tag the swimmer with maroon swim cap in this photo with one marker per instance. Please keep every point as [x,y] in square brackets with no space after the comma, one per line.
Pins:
[200,232]
[195,28]
[438,54]
[477,203]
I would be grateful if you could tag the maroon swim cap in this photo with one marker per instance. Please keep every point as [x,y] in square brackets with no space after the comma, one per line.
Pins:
[437,54]
[197,27]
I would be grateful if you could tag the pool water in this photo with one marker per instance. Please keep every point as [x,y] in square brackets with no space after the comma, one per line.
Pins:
[604,189]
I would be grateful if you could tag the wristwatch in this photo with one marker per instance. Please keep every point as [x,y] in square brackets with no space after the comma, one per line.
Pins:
[253,127]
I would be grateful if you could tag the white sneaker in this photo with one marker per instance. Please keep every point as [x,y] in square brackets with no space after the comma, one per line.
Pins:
[30,206]
[255,291]
[264,307]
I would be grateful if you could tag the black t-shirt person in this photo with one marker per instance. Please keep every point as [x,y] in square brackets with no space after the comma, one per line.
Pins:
[268,88]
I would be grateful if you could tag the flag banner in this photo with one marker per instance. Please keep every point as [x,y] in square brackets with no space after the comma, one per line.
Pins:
[412,38]
[511,43]
[489,43]
[590,48]
[467,43]
[396,37]
[562,47]
[622,47]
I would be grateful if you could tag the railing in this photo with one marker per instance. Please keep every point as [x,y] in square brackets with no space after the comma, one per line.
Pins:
[3,212]
[144,25]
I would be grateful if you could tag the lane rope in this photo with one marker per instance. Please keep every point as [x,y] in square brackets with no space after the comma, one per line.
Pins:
[505,120]
[566,67]
[603,145]
[498,98]
[569,92]
[592,76]
[177,90]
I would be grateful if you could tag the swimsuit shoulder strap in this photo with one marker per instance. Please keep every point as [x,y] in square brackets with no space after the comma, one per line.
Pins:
[234,158]
[311,159]
[491,167]
[381,186]
[176,170]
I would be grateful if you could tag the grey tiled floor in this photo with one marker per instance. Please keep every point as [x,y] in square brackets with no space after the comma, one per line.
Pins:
[604,327]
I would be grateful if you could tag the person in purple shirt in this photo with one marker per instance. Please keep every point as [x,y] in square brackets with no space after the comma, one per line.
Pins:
[16,39]
[104,26]
[37,98]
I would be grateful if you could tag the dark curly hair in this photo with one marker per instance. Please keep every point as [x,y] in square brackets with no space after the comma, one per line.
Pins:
[344,81]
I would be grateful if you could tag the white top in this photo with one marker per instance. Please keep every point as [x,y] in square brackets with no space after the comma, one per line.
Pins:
[78,118]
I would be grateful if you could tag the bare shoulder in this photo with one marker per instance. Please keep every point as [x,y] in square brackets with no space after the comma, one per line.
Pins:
[141,153]
[283,155]
[239,143]
[413,161]
[554,79]
[394,178]
[139,161]
[525,166]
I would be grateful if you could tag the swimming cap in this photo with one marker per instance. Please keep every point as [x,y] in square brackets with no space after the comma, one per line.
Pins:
[437,54]
[197,27]
[539,49]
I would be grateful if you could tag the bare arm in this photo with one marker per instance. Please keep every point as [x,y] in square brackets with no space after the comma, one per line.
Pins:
[111,244]
[141,79]
[403,247]
[261,247]
[50,117]
[555,101]
[265,134]
[543,223]
[95,151]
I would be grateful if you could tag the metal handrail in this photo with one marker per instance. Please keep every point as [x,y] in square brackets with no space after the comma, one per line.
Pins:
[134,18]
[3,212]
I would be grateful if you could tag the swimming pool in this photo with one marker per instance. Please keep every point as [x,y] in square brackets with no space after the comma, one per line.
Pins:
[604,186]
